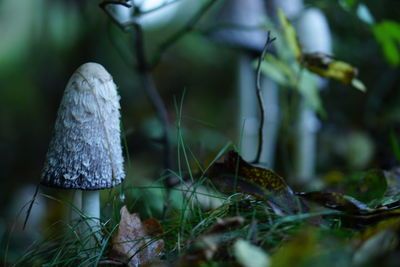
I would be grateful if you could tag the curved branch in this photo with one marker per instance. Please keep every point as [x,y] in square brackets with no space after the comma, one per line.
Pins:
[259,96]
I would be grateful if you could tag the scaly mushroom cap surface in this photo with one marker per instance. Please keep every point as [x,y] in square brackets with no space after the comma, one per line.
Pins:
[85,151]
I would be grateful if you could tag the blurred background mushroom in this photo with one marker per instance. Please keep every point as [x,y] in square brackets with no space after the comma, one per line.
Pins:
[315,37]
[314,34]
[242,25]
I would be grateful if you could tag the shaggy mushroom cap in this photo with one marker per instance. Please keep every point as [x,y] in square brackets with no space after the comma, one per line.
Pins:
[85,151]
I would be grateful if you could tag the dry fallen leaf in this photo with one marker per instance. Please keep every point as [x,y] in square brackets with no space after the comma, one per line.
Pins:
[337,201]
[133,243]
[236,175]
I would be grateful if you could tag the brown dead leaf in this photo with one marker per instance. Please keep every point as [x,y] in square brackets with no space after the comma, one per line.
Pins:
[133,243]
[354,213]
[337,201]
[153,227]
[236,175]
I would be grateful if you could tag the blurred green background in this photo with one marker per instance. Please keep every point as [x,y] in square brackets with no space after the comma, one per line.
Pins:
[43,41]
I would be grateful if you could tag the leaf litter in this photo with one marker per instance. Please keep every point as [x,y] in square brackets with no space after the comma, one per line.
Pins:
[263,211]
[135,243]
[236,175]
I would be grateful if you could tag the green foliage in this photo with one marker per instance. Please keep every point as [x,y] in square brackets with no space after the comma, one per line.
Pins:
[290,35]
[387,33]
[367,186]
[347,4]
[294,69]
[241,229]
[308,87]
[395,145]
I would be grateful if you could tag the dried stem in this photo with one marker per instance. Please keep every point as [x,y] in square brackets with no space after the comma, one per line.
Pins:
[259,96]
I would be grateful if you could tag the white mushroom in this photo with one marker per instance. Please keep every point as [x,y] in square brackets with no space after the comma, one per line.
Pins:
[85,152]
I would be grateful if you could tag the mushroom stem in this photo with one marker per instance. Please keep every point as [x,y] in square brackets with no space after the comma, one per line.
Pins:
[75,215]
[91,211]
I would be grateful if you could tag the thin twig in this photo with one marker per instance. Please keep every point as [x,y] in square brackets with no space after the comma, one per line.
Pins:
[122,3]
[189,26]
[154,96]
[103,5]
[259,96]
